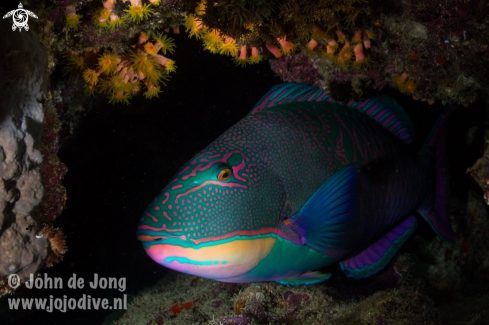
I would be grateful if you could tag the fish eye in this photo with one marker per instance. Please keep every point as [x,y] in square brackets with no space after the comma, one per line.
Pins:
[224,174]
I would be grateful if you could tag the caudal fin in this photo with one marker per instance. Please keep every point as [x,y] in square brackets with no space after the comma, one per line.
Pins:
[435,209]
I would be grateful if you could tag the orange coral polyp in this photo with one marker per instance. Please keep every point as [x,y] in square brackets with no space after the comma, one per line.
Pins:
[274,50]
[312,44]
[358,37]
[410,86]
[287,47]
[242,54]
[150,48]
[358,50]
[341,36]
[143,38]
[331,47]
[345,55]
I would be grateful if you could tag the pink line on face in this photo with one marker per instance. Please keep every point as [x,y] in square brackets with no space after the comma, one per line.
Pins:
[262,231]
[166,215]
[208,183]
[159,229]
[167,196]
[214,156]
[177,186]
[184,170]
[152,217]
[236,169]
[209,165]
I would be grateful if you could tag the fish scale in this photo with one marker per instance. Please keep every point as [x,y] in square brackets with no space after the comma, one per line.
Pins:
[301,176]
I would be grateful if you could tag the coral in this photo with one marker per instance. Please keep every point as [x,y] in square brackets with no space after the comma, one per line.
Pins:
[52,169]
[23,67]
[480,172]
[90,76]
[107,62]
[138,12]
[296,68]
[436,45]
[72,19]
[57,244]
[229,47]
[164,42]
[119,76]
[186,299]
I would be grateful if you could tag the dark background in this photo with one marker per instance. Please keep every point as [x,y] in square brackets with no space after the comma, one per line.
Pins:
[121,156]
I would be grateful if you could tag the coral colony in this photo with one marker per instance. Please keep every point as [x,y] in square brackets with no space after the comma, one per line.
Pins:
[437,51]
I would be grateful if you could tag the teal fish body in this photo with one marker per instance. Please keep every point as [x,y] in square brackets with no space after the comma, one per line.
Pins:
[298,184]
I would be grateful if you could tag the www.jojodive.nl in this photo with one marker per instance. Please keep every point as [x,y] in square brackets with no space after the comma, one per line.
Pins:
[86,302]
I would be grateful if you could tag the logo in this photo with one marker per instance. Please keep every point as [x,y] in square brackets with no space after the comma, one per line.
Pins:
[20,16]
[13,281]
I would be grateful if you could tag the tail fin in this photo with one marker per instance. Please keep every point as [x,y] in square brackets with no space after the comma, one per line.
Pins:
[435,209]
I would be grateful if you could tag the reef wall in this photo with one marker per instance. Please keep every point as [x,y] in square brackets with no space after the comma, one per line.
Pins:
[26,239]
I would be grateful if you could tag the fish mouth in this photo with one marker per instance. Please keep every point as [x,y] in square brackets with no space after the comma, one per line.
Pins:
[214,260]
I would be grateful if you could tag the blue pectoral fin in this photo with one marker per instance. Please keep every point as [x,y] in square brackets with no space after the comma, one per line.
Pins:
[307,278]
[322,222]
[376,257]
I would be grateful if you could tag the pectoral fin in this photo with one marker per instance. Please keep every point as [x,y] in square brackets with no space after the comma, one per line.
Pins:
[307,278]
[323,221]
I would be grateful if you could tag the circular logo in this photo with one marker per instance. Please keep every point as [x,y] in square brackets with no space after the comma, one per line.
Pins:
[20,18]
[13,281]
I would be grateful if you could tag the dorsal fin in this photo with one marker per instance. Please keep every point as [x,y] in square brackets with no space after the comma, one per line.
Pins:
[388,113]
[380,107]
[288,93]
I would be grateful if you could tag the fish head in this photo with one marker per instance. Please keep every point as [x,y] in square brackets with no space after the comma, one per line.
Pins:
[216,218]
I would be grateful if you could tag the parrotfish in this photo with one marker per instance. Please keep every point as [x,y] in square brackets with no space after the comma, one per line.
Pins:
[301,182]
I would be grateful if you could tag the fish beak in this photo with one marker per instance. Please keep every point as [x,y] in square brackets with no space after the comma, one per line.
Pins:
[211,260]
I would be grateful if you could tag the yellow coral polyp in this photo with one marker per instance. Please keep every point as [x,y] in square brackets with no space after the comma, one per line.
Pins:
[101,18]
[90,76]
[344,56]
[365,63]
[72,21]
[141,63]
[255,59]
[108,62]
[75,63]
[410,87]
[135,87]
[139,13]
[164,42]
[119,97]
[113,85]
[212,41]
[405,86]
[200,9]
[240,62]
[89,89]
[194,26]
[152,91]
[170,66]
[229,47]
[115,23]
